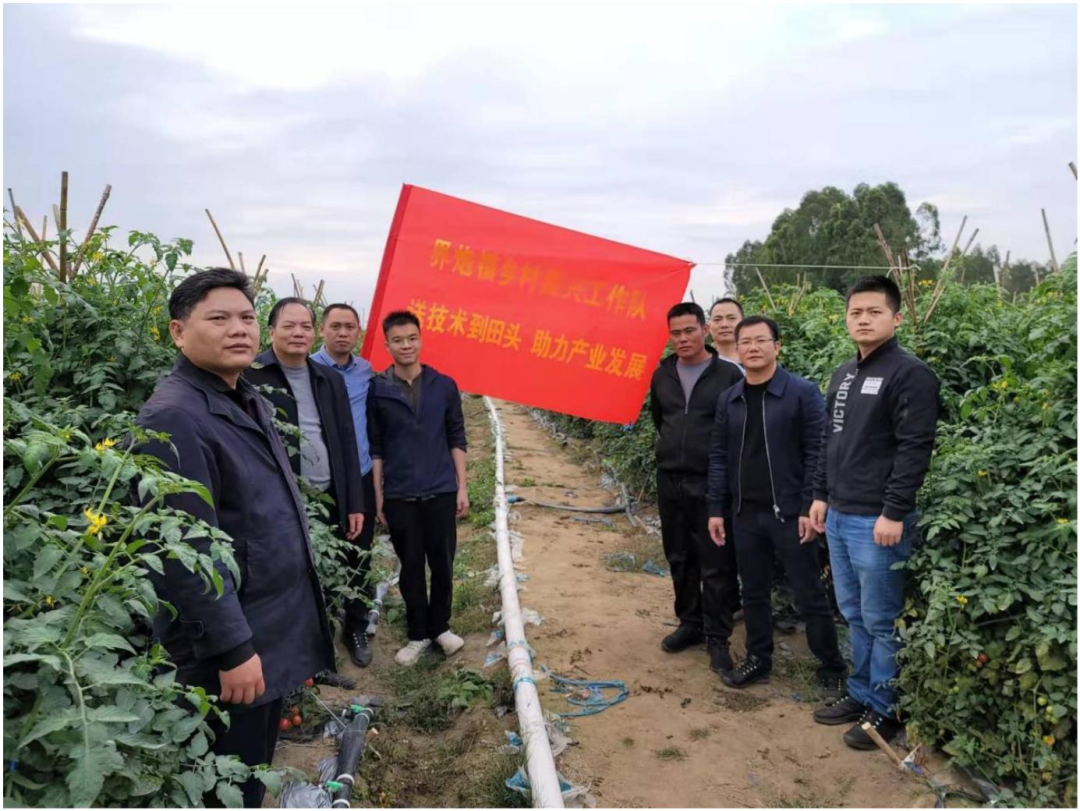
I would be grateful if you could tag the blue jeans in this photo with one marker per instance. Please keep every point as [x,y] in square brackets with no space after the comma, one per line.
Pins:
[870,594]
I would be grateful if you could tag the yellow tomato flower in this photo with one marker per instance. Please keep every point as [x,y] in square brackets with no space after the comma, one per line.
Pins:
[105,443]
[155,331]
[983,474]
[84,571]
[15,377]
[49,601]
[1049,740]
[962,599]
[97,521]
[1063,520]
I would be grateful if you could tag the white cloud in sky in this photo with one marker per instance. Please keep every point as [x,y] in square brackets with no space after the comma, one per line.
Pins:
[682,128]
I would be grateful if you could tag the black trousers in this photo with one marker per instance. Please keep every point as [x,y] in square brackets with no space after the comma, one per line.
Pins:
[704,574]
[359,561]
[758,536]
[251,736]
[424,535]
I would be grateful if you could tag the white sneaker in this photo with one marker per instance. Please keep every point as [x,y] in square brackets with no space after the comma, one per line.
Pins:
[450,642]
[411,652]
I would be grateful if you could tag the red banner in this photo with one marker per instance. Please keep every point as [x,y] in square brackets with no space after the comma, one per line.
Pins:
[523,310]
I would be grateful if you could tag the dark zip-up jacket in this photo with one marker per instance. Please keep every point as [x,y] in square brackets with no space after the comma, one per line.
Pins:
[276,608]
[415,445]
[882,414]
[793,415]
[335,414]
[683,427]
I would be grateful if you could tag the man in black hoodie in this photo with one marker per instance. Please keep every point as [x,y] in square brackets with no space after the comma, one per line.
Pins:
[881,415]
[683,395]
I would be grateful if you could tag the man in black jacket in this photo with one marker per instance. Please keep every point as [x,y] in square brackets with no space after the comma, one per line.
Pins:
[881,417]
[761,467]
[417,434]
[312,400]
[682,397]
[268,632]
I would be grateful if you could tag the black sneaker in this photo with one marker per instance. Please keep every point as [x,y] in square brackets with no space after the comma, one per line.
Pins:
[832,686]
[682,638]
[719,655]
[886,726]
[750,670]
[843,711]
[356,643]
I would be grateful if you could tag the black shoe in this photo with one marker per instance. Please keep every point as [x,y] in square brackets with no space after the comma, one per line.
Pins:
[356,643]
[843,711]
[719,655]
[682,638]
[750,670]
[832,686]
[886,726]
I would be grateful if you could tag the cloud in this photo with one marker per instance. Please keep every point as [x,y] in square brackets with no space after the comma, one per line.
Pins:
[681,128]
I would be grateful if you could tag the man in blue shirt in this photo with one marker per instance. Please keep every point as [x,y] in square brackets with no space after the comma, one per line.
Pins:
[340,332]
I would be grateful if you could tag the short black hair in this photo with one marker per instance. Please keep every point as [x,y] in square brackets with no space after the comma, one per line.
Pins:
[774,328]
[877,284]
[282,304]
[399,318]
[198,285]
[726,300]
[687,308]
[340,306]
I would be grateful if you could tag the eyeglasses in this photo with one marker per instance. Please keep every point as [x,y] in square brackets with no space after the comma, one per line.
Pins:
[746,343]
[414,339]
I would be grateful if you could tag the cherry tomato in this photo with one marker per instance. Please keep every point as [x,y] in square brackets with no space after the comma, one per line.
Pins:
[285,724]
[309,683]
[984,658]
[297,720]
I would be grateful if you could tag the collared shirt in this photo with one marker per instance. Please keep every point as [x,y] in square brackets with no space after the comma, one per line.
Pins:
[357,374]
[244,395]
[410,390]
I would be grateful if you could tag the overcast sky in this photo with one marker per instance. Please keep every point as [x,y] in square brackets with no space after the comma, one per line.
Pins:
[682,129]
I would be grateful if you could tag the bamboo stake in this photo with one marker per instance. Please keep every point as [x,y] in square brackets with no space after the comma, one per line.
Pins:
[242,268]
[766,287]
[939,288]
[30,229]
[90,232]
[14,216]
[221,239]
[318,293]
[884,247]
[1072,166]
[963,268]
[63,226]
[1050,242]
[259,268]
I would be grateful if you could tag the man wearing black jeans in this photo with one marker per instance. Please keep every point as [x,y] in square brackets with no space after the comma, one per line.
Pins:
[762,459]
[417,434]
[257,638]
[340,331]
[683,395]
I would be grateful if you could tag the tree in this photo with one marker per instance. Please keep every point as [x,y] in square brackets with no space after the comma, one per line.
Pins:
[831,227]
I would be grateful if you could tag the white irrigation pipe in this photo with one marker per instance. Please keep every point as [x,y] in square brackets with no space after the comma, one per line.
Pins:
[539,762]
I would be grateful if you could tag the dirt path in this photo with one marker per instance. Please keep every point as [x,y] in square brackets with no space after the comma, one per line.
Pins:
[681,738]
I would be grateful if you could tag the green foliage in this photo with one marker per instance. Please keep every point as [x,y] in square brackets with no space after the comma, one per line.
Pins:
[989,667]
[92,712]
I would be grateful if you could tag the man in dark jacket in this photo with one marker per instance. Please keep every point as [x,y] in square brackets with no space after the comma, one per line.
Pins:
[312,400]
[762,461]
[682,397]
[340,330]
[417,434]
[879,432]
[267,632]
